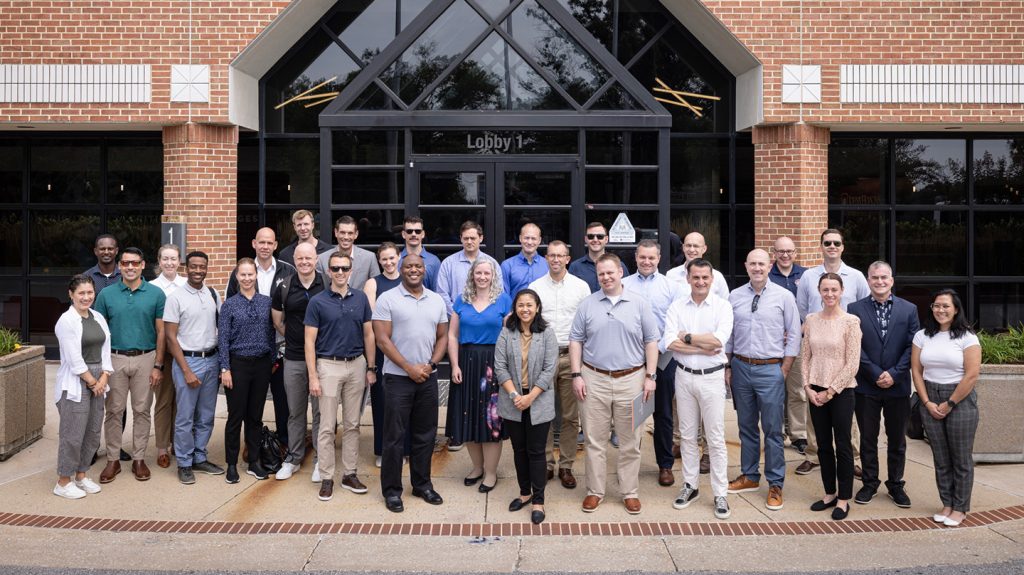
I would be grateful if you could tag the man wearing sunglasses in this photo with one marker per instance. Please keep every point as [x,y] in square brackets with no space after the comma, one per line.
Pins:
[765,342]
[585,267]
[414,235]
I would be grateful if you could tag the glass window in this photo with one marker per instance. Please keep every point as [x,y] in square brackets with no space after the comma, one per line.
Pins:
[999,305]
[65,171]
[293,171]
[621,187]
[368,187]
[375,226]
[141,230]
[368,26]
[48,299]
[554,225]
[527,188]
[135,172]
[453,188]
[931,243]
[360,148]
[616,98]
[999,171]
[744,169]
[919,293]
[622,148]
[248,224]
[858,171]
[597,16]
[999,243]
[744,234]
[639,21]
[11,291]
[865,239]
[699,171]
[442,225]
[11,228]
[713,225]
[12,154]
[931,171]
[248,169]
[60,242]
[495,142]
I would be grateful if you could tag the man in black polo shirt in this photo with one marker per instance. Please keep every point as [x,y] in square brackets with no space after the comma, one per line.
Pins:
[105,272]
[340,351]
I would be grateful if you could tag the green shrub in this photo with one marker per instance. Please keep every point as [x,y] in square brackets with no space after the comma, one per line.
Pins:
[1003,348]
[10,341]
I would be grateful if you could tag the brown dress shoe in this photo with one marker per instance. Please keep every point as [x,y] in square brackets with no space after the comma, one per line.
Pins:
[551,474]
[140,470]
[705,464]
[163,460]
[665,477]
[590,503]
[568,481]
[741,484]
[632,505]
[676,452]
[110,471]
[806,467]
[857,471]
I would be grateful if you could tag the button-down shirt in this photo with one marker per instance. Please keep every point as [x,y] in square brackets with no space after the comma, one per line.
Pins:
[719,286]
[131,314]
[519,272]
[339,321]
[559,301]
[586,269]
[790,282]
[265,277]
[430,262]
[713,315]
[855,287]
[451,277]
[414,322]
[883,311]
[658,290]
[195,312]
[244,328]
[102,280]
[614,334]
[769,332]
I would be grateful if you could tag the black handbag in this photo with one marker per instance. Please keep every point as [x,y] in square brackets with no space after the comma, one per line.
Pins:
[270,451]
[915,426]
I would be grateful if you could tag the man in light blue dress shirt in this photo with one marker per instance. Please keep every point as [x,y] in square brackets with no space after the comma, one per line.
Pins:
[451,278]
[523,268]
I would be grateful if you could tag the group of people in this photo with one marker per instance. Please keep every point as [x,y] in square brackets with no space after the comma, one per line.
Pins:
[540,349]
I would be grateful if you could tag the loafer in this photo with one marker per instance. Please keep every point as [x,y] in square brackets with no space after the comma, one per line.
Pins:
[232,474]
[864,495]
[705,464]
[743,483]
[484,488]
[806,467]
[537,517]
[110,471]
[394,504]
[207,468]
[163,460]
[185,476]
[429,495]
[326,490]
[632,505]
[566,477]
[839,513]
[820,504]
[517,504]
[665,477]
[471,481]
[899,497]
[140,470]
[352,483]
[939,518]
[551,474]
[950,522]
[590,503]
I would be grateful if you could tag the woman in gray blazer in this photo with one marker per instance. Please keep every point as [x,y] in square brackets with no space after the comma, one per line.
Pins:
[525,361]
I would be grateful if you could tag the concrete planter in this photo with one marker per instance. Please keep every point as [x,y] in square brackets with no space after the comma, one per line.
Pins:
[1000,436]
[22,399]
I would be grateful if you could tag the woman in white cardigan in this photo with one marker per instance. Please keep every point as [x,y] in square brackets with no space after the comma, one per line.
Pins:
[85,367]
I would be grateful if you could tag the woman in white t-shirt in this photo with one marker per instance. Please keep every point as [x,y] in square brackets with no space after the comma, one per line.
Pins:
[945,361]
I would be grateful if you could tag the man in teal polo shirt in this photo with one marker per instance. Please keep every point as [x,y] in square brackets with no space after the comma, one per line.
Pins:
[134,310]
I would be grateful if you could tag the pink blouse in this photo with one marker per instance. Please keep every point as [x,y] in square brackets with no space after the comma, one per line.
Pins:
[830,351]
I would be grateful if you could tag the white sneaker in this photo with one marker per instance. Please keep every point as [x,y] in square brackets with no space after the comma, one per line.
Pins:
[377,461]
[316,473]
[87,485]
[69,491]
[286,471]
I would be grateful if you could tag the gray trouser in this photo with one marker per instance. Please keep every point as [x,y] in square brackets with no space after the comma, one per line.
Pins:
[296,388]
[952,442]
[80,425]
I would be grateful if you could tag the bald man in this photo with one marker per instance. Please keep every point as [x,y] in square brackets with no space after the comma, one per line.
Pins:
[694,247]
[787,273]
[527,266]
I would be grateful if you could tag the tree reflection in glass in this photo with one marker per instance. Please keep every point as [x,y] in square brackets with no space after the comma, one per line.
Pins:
[999,171]
[930,171]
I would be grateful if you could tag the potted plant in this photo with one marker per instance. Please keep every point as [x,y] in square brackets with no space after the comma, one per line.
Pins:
[22,393]
[1000,435]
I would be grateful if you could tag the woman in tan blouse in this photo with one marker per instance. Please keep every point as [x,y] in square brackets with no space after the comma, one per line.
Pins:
[830,355]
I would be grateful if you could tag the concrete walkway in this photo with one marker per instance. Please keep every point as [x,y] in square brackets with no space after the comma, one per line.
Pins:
[281,525]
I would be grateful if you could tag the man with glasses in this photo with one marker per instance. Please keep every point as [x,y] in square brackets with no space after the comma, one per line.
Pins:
[414,234]
[339,351]
[364,262]
[451,277]
[560,295]
[523,268]
[765,341]
[787,273]
[134,310]
[585,267]
[302,222]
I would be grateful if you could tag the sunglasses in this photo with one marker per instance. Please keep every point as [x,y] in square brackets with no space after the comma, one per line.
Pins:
[753,304]
[131,264]
[413,232]
[830,243]
[337,269]
[596,236]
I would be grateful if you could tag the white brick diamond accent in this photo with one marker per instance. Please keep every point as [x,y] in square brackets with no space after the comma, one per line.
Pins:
[190,83]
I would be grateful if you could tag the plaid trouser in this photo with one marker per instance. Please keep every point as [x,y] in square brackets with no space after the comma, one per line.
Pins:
[952,441]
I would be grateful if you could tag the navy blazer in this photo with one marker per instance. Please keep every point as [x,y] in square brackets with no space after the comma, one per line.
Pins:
[891,354]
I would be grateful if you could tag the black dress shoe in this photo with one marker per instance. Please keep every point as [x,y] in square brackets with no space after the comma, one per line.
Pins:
[232,474]
[394,504]
[865,495]
[470,481]
[484,488]
[428,495]
[839,513]
[124,456]
[517,504]
[537,517]
[820,504]
[899,497]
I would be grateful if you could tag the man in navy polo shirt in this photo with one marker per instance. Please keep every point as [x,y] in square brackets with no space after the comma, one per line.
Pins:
[339,356]
[105,272]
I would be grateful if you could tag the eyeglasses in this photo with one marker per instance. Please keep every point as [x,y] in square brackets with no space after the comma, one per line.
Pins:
[556,256]
[131,263]
[753,304]
[830,243]
[596,236]
[941,306]
[337,269]
[413,232]
[785,252]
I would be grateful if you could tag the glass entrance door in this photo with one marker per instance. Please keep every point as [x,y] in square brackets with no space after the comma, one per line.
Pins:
[501,195]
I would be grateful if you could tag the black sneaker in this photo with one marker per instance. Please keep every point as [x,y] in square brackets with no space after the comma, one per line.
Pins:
[800,445]
[124,456]
[208,468]
[232,474]
[899,497]
[185,475]
[865,495]
[257,471]
[687,495]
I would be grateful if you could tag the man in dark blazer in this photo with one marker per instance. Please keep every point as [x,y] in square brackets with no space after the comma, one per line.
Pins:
[888,324]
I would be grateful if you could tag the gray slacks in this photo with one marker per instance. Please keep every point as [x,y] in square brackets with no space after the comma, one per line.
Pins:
[296,388]
[952,441]
[80,425]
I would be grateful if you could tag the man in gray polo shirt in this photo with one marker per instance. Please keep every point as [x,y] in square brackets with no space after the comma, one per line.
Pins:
[364,263]
[613,354]
[410,325]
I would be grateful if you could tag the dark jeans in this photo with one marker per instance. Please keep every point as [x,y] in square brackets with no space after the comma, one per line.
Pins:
[281,409]
[250,377]
[870,409]
[408,406]
[664,397]
[528,444]
[832,426]
[377,402]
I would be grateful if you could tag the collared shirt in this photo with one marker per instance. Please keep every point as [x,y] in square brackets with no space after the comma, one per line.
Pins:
[131,315]
[265,277]
[586,269]
[414,322]
[769,332]
[808,301]
[287,254]
[168,286]
[339,320]
[432,264]
[102,280]
[883,311]
[295,313]
[195,312]
[790,282]
[451,277]
[364,267]
[614,334]
[658,290]
[244,328]
[559,301]
[519,272]
[719,286]
[713,315]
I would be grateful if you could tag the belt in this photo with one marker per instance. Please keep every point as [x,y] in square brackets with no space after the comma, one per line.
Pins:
[705,371]
[130,352]
[753,361]
[207,353]
[614,372]
[339,358]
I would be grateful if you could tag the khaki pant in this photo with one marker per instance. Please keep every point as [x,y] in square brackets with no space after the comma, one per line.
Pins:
[164,408]
[570,418]
[610,400]
[340,382]
[131,376]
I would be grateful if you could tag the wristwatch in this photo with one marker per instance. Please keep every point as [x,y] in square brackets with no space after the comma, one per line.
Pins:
[371,368]
[513,395]
[652,376]
[687,339]
[224,370]
[575,374]
[950,403]
[433,365]
[159,366]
